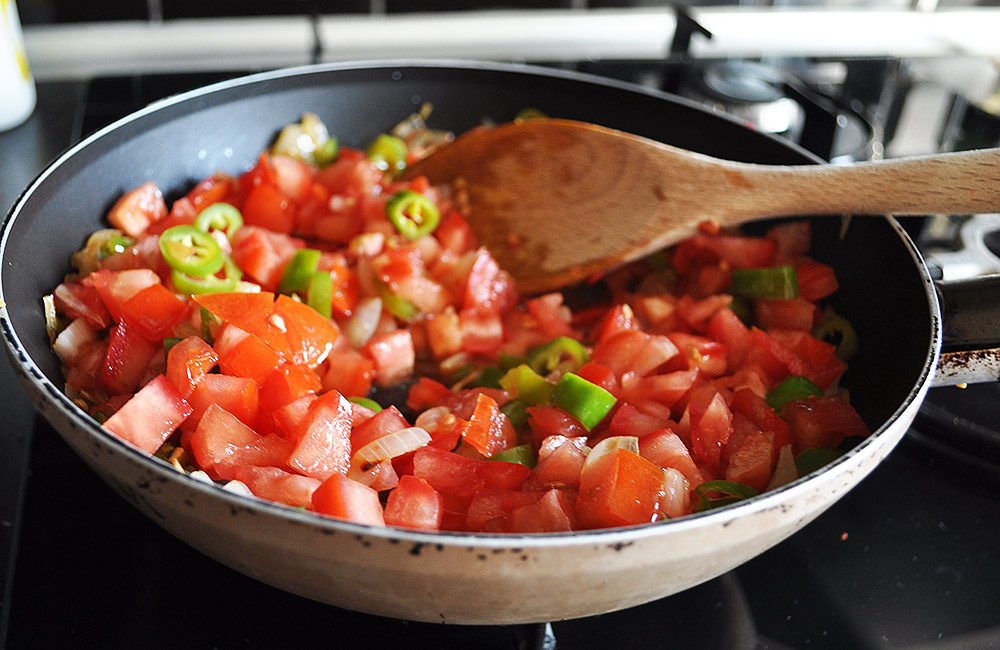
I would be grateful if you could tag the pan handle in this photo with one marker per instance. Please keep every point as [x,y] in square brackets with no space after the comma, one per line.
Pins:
[970,346]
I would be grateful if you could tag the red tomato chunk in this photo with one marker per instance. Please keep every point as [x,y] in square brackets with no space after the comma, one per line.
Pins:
[262,347]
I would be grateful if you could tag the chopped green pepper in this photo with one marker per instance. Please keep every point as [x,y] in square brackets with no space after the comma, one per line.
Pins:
[521,454]
[116,244]
[191,251]
[319,295]
[367,402]
[772,283]
[516,411]
[838,330]
[563,354]
[397,306]
[792,388]
[730,492]
[412,214]
[299,271]
[220,216]
[388,152]
[210,283]
[489,377]
[810,460]
[169,342]
[585,401]
[527,384]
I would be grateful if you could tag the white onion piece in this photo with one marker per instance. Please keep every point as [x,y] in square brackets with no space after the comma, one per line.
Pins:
[71,340]
[785,471]
[238,487]
[390,446]
[608,445]
[362,324]
[676,493]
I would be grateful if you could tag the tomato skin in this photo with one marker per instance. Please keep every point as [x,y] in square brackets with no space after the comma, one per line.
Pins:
[311,336]
[816,280]
[155,311]
[793,314]
[554,512]
[150,416]
[620,488]
[666,449]
[250,358]
[351,373]
[268,207]
[339,496]
[491,508]
[711,424]
[727,328]
[823,422]
[547,421]
[117,287]
[237,395]
[127,359]
[381,424]
[447,472]
[323,446]
[753,462]
[393,355]
[634,352]
[188,362]
[79,300]
[414,504]
[560,467]
[489,430]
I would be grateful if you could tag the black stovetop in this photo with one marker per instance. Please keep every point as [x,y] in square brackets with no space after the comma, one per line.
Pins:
[909,559]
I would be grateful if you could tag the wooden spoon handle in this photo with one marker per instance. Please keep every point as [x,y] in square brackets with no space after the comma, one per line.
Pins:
[965,182]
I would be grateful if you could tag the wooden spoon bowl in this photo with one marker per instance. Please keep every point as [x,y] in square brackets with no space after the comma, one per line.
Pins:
[558,201]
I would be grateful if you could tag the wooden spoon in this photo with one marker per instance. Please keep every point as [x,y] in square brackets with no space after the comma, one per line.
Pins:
[558,201]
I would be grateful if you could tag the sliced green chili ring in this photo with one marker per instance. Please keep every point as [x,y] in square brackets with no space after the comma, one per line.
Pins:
[207,318]
[521,454]
[397,306]
[327,152]
[528,384]
[319,295]
[584,400]
[506,361]
[299,271]
[792,388]
[772,283]
[810,460]
[388,152]
[208,283]
[731,492]
[563,354]
[367,402]
[412,214]
[191,251]
[220,216]
[516,411]
[116,244]
[838,330]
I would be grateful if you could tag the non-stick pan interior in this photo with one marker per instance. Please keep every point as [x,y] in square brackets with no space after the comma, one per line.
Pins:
[186,139]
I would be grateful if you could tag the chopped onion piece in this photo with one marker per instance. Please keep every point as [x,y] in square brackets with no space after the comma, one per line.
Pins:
[676,493]
[69,343]
[362,324]
[784,471]
[606,446]
[238,487]
[390,446]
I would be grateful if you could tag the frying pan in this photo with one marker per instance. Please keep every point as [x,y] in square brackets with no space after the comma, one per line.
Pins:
[449,577]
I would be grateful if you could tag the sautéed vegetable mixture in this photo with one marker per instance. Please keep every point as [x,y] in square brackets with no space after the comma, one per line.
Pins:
[316,332]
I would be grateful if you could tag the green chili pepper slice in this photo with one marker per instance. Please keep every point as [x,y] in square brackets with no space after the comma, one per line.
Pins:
[792,388]
[730,491]
[528,384]
[838,330]
[210,283]
[169,343]
[319,295]
[489,377]
[220,216]
[116,244]
[563,354]
[521,454]
[584,400]
[397,306]
[191,251]
[388,152]
[516,411]
[772,283]
[412,214]
[299,271]
[810,460]
[327,152]
[367,402]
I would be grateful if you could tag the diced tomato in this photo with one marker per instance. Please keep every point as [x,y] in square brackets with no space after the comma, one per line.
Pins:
[311,335]
[620,318]
[753,463]
[629,420]
[554,512]
[393,355]
[489,430]
[250,358]
[285,385]
[444,427]
[237,395]
[502,474]
[696,313]
[340,497]
[455,234]
[600,375]
[727,328]
[215,188]
[288,417]
[262,254]
[698,352]
[816,280]
[79,300]
[154,311]
[666,449]
[711,424]
[634,352]
[382,423]
[447,472]
[548,421]
[262,173]
[490,508]
[760,413]
[350,373]
[268,207]
[278,485]
[293,177]
[351,174]
[774,358]
[252,313]
[737,251]
[116,287]
[150,416]
[345,290]
[481,331]
[560,467]
[793,314]
[188,362]
[488,288]
[323,446]
[551,316]
[127,359]
[137,210]
[792,238]
[414,504]
[823,422]
[620,488]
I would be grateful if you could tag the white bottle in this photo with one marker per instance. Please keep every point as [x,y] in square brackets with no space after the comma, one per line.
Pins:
[17,87]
